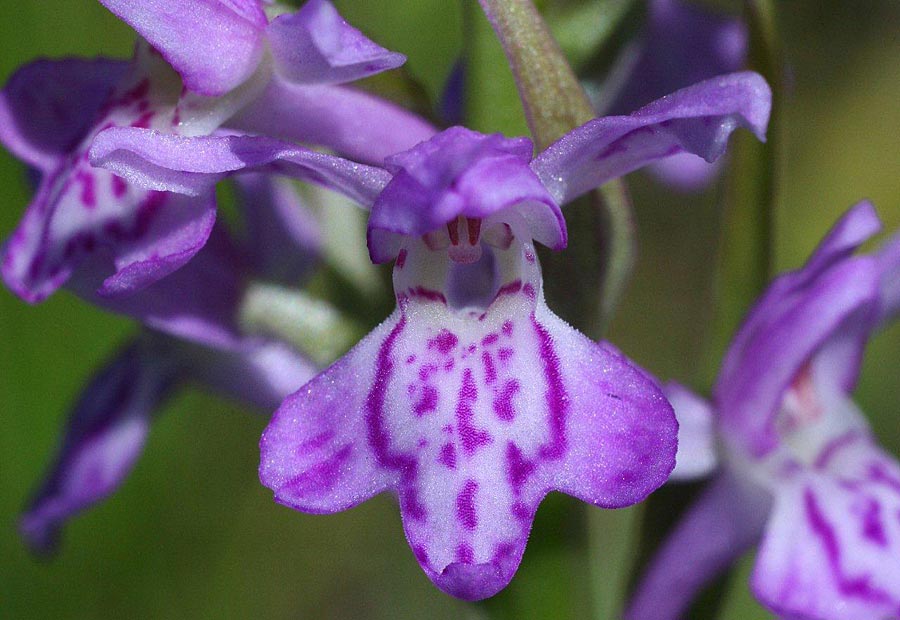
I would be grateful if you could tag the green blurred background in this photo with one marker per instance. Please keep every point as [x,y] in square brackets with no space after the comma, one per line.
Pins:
[193,535]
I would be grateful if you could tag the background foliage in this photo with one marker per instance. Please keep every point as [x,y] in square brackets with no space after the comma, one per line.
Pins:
[193,534]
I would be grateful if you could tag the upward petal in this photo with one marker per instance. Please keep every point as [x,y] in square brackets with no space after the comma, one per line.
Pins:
[697,119]
[821,313]
[316,46]
[48,106]
[103,439]
[215,45]
[353,123]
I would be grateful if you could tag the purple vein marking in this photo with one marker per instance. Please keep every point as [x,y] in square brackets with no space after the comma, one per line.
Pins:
[378,435]
[858,587]
[465,505]
[470,436]
[557,398]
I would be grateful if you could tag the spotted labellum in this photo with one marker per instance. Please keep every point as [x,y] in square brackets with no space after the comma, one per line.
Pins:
[472,400]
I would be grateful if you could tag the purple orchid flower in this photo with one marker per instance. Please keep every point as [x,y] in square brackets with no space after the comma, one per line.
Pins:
[192,336]
[265,77]
[682,43]
[799,467]
[472,400]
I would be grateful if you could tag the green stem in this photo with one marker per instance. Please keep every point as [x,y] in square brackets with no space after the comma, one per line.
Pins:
[747,244]
[601,239]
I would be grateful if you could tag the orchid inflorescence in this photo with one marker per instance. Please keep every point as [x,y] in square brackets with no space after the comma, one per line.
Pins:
[472,400]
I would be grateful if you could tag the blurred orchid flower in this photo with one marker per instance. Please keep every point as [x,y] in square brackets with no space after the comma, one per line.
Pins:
[682,43]
[192,336]
[472,400]
[236,71]
[799,469]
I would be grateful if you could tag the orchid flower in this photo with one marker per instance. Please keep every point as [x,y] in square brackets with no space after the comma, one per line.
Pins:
[472,400]
[236,71]
[682,43]
[798,468]
[191,336]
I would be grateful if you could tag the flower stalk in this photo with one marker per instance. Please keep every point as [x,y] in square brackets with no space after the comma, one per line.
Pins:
[554,102]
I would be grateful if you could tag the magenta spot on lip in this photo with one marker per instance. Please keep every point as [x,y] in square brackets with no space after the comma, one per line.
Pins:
[428,402]
[143,121]
[88,193]
[518,468]
[119,187]
[449,364]
[509,289]
[507,329]
[420,292]
[465,505]
[504,354]
[464,554]
[528,289]
[833,447]
[490,339]
[556,396]
[873,529]
[529,256]
[448,455]
[444,342]
[401,259]
[423,443]
[859,587]
[490,372]
[520,511]
[411,359]
[470,436]
[503,406]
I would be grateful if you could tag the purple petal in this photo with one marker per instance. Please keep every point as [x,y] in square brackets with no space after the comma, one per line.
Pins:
[48,106]
[193,165]
[198,302]
[470,417]
[282,235]
[354,124]
[855,227]
[723,523]
[682,44]
[697,455]
[215,45]
[257,372]
[81,213]
[316,46]
[802,314]
[889,262]
[461,173]
[832,547]
[686,172]
[697,120]
[103,439]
